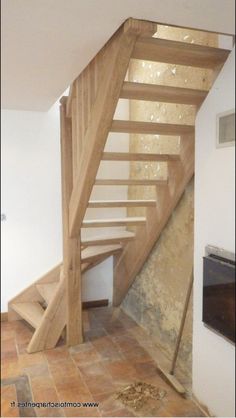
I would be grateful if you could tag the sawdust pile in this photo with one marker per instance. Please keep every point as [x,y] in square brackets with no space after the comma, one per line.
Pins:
[139,394]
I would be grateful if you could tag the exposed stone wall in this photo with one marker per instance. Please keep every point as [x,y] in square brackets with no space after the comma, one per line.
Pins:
[155,300]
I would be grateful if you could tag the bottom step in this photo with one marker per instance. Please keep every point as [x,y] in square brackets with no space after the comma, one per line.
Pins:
[31,312]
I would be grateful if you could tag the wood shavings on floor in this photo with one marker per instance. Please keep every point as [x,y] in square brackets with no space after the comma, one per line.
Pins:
[141,395]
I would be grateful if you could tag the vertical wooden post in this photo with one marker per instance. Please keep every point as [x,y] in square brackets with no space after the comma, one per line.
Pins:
[71,246]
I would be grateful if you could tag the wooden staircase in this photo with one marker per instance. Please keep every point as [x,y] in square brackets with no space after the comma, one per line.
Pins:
[53,302]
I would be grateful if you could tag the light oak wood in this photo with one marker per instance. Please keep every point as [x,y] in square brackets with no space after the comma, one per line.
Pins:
[130,182]
[166,94]
[114,237]
[54,320]
[129,156]
[121,203]
[47,290]
[151,128]
[71,246]
[31,294]
[31,312]
[97,132]
[91,254]
[129,263]
[180,53]
[140,27]
[99,223]
[69,100]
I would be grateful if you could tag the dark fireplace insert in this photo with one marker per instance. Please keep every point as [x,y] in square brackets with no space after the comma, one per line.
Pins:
[219,294]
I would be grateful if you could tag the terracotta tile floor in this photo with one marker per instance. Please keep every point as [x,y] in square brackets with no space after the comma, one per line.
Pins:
[116,353]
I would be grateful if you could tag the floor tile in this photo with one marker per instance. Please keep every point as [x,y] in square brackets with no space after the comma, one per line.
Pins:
[8,349]
[56,355]
[86,357]
[137,354]
[43,390]
[81,347]
[8,396]
[107,349]
[120,369]
[10,369]
[125,342]
[28,360]
[100,384]
[116,353]
[93,369]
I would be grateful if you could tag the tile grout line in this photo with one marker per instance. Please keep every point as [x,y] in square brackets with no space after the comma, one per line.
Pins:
[54,385]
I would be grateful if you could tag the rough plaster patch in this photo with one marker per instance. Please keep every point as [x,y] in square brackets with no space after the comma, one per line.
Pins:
[156,298]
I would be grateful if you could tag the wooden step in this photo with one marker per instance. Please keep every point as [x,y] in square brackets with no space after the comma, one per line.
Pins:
[31,312]
[166,94]
[129,156]
[130,182]
[115,237]
[121,203]
[47,290]
[91,254]
[179,53]
[98,223]
[151,128]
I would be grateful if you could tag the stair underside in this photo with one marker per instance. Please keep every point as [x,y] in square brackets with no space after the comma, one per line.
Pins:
[179,53]
[130,182]
[166,94]
[99,223]
[151,128]
[129,156]
[120,203]
[92,254]
[115,237]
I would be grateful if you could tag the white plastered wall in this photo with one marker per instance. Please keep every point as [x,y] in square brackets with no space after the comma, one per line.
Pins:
[31,200]
[213,356]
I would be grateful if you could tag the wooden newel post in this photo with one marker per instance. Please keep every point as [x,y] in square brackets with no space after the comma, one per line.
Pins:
[71,246]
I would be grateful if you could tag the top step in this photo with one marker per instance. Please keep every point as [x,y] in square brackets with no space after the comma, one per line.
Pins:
[179,53]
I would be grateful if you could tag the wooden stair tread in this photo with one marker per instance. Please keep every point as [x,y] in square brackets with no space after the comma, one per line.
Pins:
[130,182]
[31,312]
[120,203]
[179,53]
[129,156]
[93,253]
[47,290]
[96,223]
[116,236]
[151,128]
[166,94]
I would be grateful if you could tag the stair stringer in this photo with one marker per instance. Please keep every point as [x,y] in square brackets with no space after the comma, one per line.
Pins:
[53,322]
[31,294]
[115,62]
[130,262]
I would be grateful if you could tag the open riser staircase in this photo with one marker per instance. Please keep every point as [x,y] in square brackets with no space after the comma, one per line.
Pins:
[52,305]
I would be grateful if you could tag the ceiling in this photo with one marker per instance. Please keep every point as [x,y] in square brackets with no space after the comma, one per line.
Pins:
[47,43]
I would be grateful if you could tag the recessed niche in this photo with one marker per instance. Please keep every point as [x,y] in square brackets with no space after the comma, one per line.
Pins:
[225,129]
[219,293]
